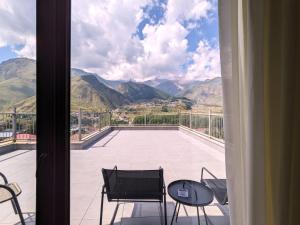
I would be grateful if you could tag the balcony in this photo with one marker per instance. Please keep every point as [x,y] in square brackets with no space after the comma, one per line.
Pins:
[181,154]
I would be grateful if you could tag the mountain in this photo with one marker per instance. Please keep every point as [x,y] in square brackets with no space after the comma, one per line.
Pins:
[18,88]
[141,92]
[208,92]
[110,83]
[171,87]
[17,81]
[17,68]
[26,105]
[88,92]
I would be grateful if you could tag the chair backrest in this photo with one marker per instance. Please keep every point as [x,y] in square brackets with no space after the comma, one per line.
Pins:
[218,186]
[133,184]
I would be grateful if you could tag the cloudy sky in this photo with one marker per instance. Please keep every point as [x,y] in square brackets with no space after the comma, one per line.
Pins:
[126,39]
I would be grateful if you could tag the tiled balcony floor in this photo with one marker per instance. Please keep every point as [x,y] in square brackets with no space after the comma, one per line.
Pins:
[181,156]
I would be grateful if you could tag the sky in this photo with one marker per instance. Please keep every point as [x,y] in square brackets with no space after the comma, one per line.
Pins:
[126,39]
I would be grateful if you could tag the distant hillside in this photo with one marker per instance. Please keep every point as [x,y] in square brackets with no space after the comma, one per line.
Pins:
[18,88]
[141,92]
[17,81]
[26,105]
[110,83]
[17,68]
[171,87]
[88,92]
[207,92]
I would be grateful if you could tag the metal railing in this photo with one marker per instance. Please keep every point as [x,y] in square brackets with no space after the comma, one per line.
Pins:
[22,126]
[17,127]
[84,123]
[210,124]
[156,120]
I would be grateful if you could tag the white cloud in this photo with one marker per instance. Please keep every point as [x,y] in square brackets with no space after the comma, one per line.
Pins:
[187,10]
[165,49]
[102,35]
[206,63]
[103,39]
[17,25]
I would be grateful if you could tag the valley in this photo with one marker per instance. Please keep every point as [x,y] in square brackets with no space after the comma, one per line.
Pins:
[92,92]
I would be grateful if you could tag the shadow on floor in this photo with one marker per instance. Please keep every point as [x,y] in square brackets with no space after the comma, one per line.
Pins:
[29,218]
[149,214]
[191,220]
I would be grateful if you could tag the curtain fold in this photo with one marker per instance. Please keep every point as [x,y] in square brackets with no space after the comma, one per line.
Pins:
[260,65]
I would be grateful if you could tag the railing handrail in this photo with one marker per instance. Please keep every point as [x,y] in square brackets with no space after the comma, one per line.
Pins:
[18,113]
[204,114]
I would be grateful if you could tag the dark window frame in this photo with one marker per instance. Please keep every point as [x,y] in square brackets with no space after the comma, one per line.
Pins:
[53,112]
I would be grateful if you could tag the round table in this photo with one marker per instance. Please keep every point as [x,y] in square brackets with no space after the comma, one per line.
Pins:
[199,195]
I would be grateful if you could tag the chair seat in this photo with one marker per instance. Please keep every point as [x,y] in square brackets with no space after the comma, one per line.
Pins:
[219,188]
[5,195]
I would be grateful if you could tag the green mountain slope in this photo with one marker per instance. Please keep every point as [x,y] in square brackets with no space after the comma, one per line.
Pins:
[18,68]
[88,92]
[109,83]
[140,92]
[26,105]
[207,92]
[17,81]
[18,88]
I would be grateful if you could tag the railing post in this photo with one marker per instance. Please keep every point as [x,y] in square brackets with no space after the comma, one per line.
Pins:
[110,115]
[99,121]
[209,123]
[191,119]
[14,125]
[79,124]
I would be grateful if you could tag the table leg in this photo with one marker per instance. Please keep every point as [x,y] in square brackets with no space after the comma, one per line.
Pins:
[205,215]
[177,213]
[198,216]
[174,213]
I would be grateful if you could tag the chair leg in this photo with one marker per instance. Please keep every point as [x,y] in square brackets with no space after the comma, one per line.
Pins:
[165,209]
[115,214]
[161,213]
[205,216]
[16,204]
[175,210]
[101,208]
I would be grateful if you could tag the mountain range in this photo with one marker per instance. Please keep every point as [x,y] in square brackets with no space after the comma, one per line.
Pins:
[91,91]
[208,92]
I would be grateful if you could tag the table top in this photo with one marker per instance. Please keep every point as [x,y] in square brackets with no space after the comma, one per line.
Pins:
[198,193]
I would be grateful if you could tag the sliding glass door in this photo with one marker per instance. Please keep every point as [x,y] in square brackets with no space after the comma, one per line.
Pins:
[18,111]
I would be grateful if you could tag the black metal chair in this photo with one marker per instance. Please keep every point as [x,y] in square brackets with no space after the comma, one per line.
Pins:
[10,192]
[218,186]
[133,186]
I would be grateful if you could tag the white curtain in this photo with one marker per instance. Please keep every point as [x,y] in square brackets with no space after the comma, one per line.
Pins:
[260,63]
